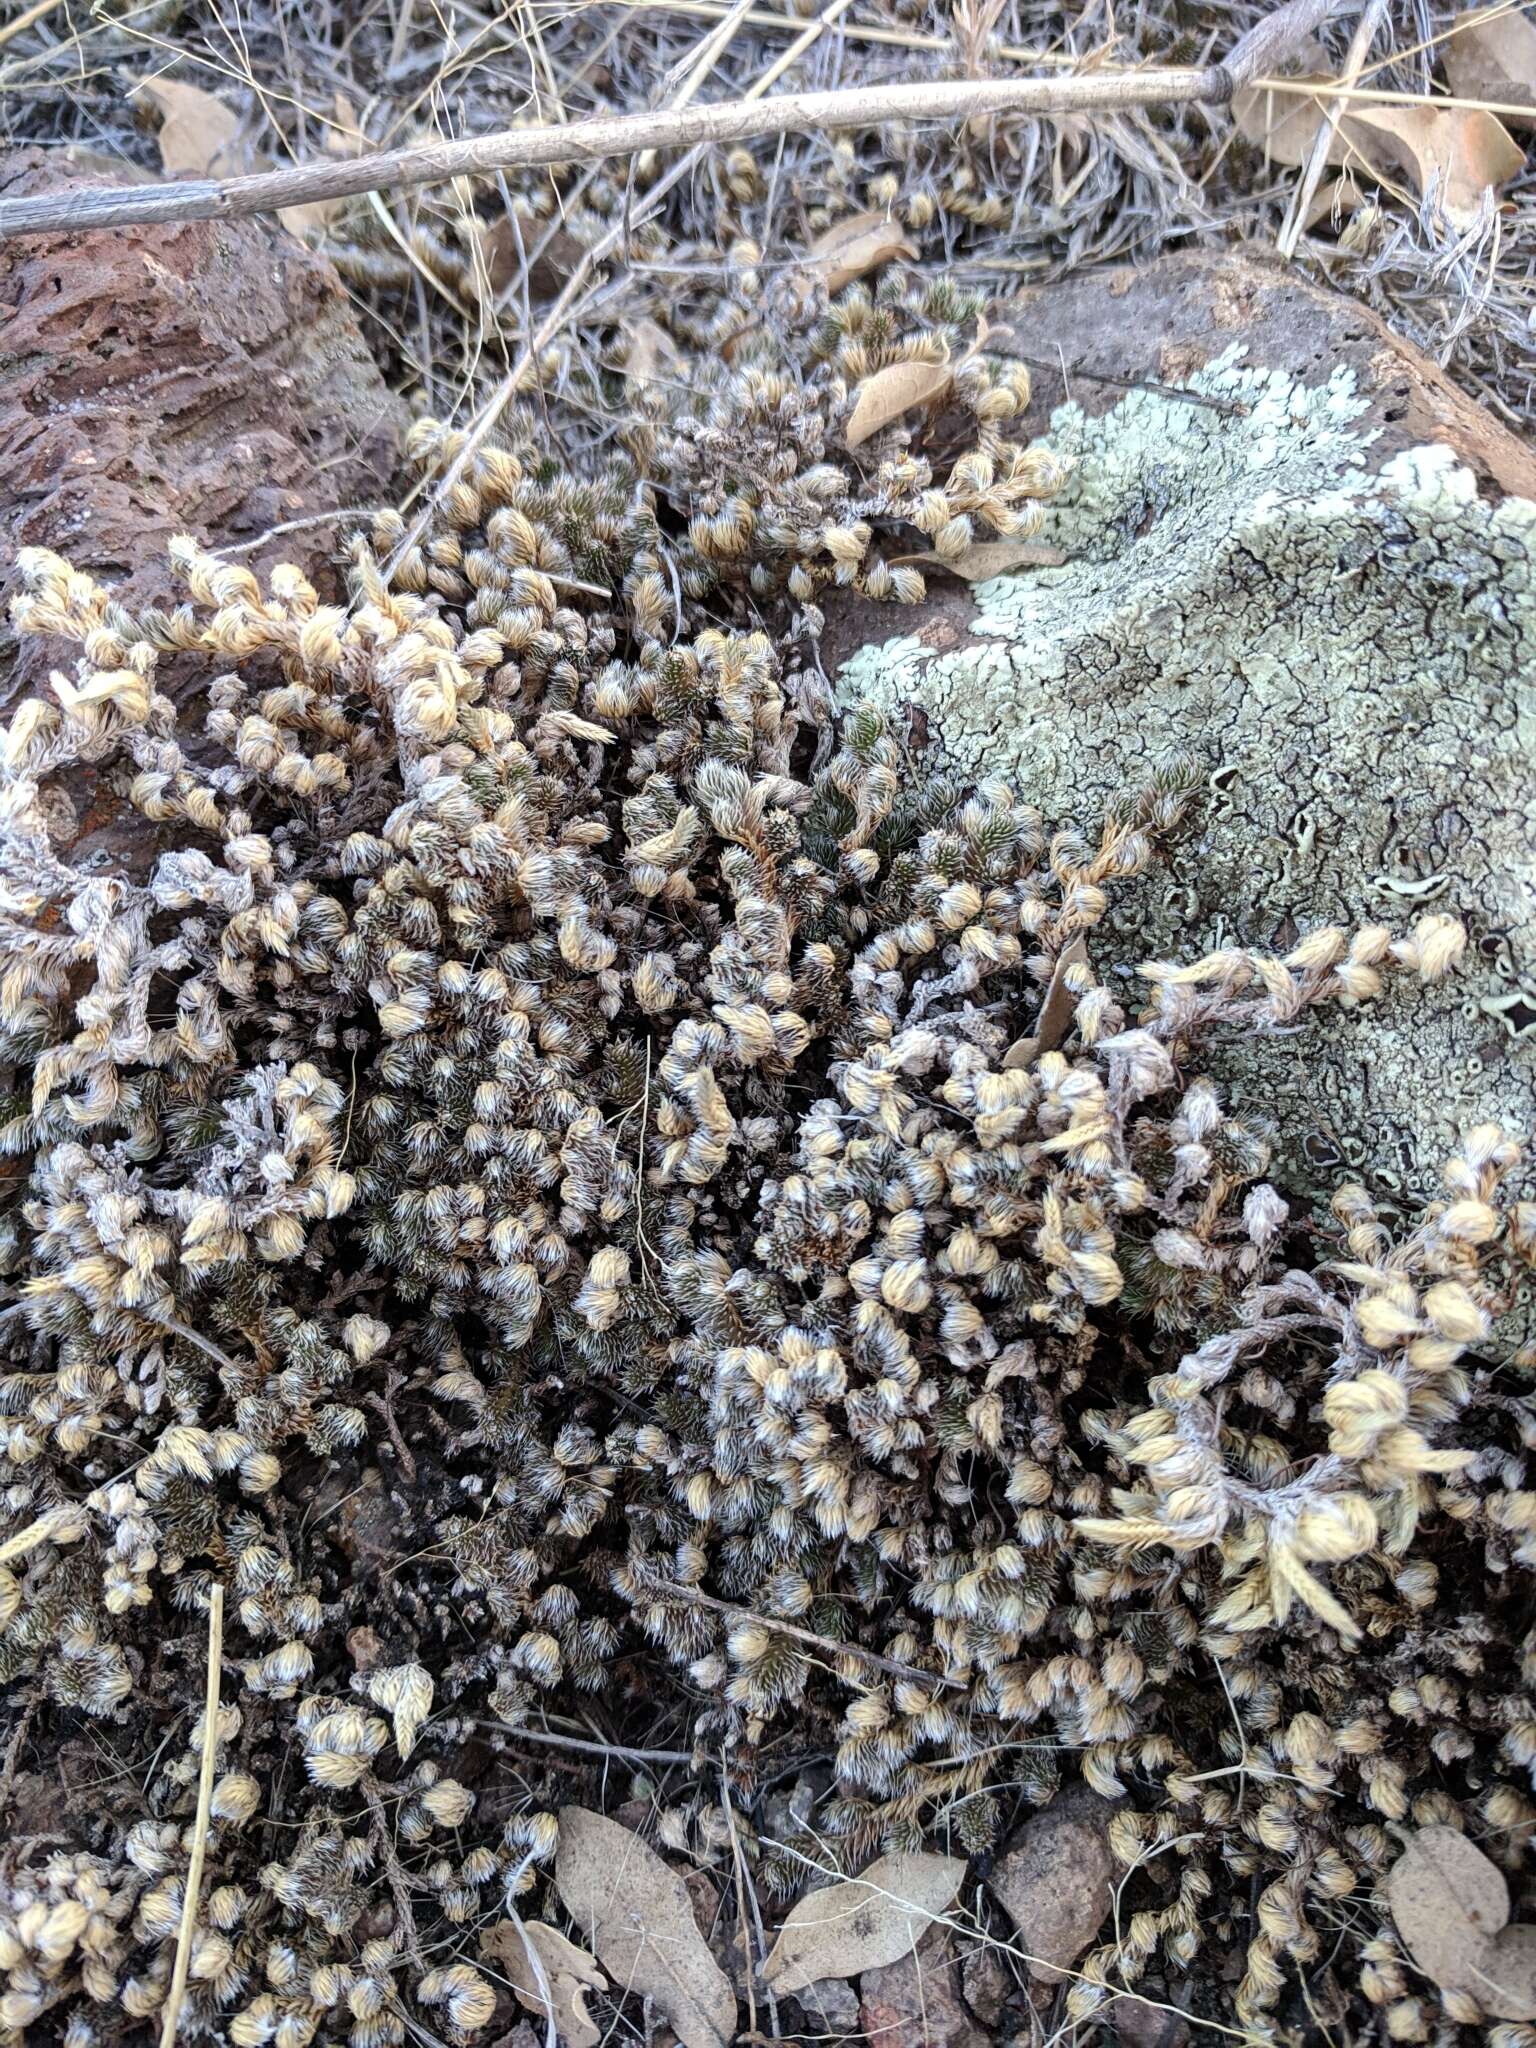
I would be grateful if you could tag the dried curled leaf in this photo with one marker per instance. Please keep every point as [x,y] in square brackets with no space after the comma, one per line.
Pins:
[864,1922]
[568,1971]
[987,558]
[1055,1009]
[853,247]
[1283,124]
[635,1911]
[344,134]
[404,1692]
[197,129]
[892,391]
[521,253]
[1458,150]
[652,354]
[1449,1901]
[1505,1982]
[1490,54]
[343,138]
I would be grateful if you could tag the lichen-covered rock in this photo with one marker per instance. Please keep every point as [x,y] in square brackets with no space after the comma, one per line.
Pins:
[1346,648]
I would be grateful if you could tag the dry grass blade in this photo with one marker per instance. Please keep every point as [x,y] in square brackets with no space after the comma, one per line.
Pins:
[183,1964]
[1366,32]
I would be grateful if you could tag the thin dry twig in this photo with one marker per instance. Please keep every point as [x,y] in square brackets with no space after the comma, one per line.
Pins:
[1366,32]
[26,19]
[183,1963]
[739,1862]
[686,128]
[559,1741]
[670,1590]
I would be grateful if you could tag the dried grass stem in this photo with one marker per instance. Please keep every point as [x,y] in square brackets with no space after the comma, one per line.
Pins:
[205,1776]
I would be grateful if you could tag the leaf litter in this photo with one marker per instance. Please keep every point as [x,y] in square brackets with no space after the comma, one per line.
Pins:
[865,1921]
[636,1912]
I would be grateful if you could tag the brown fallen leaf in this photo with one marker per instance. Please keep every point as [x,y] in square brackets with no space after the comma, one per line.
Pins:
[1448,1900]
[892,391]
[1490,54]
[987,558]
[1505,1983]
[197,129]
[853,247]
[1283,124]
[344,138]
[1461,152]
[568,1970]
[505,251]
[1055,1009]
[635,1911]
[1458,150]
[864,1922]
[344,135]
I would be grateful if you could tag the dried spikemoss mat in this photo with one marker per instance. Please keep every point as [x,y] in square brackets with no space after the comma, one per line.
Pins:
[587,1229]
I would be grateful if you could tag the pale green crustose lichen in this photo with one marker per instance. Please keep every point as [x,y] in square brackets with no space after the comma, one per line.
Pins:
[1347,652]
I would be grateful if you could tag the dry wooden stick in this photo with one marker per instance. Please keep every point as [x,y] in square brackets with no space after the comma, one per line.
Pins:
[685,128]
[607,135]
[27,18]
[194,1885]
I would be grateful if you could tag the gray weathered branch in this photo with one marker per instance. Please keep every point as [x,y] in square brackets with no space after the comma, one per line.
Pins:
[678,128]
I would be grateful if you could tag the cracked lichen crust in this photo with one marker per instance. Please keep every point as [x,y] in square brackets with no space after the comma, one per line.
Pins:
[1350,654]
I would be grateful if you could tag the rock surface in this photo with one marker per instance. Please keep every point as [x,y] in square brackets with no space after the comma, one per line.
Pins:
[1056,1882]
[1139,2023]
[916,2002]
[1313,582]
[199,377]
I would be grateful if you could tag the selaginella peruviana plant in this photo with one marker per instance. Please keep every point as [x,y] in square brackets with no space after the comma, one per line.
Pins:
[534,1193]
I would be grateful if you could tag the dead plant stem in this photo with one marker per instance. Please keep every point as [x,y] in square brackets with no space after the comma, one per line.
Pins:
[671,1591]
[194,1881]
[687,128]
